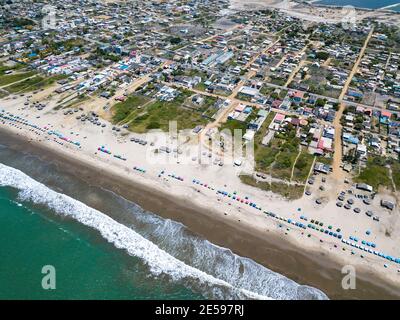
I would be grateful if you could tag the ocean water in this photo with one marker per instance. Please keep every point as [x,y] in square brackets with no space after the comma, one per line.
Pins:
[105,247]
[370,4]
[87,266]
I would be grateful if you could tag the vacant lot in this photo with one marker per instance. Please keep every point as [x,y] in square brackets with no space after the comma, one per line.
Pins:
[375,173]
[11,78]
[290,192]
[158,114]
[122,111]
[302,167]
[32,84]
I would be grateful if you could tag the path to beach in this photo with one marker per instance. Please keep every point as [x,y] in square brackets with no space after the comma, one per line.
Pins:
[337,157]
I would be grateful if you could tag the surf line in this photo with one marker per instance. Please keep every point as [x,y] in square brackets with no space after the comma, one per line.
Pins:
[166,310]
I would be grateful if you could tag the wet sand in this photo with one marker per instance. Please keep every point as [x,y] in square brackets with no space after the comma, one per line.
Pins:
[272,251]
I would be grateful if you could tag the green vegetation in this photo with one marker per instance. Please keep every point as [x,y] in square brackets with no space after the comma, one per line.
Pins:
[19,22]
[11,78]
[375,173]
[264,158]
[284,161]
[243,97]
[266,91]
[396,174]
[15,67]
[302,167]
[79,99]
[208,108]
[22,86]
[290,192]
[232,124]
[3,94]
[175,40]
[32,84]
[322,55]
[122,110]
[158,114]
[289,149]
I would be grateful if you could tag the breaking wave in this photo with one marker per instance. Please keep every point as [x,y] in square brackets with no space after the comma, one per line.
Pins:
[223,275]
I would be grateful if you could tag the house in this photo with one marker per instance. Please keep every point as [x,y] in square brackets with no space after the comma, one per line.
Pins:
[364,186]
[385,117]
[329,133]
[276,104]
[347,137]
[325,144]
[322,168]
[249,135]
[387,204]
[249,91]
[361,149]
[297,97]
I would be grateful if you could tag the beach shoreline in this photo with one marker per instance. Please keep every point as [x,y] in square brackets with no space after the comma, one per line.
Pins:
[267,248]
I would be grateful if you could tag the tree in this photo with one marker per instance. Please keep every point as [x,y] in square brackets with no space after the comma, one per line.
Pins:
[322,55]
[175,40]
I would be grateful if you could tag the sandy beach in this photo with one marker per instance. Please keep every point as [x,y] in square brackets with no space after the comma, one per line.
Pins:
[305,256]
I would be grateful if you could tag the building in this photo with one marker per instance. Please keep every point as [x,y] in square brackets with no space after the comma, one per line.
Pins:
[387,204]
[364,186]
[322,168]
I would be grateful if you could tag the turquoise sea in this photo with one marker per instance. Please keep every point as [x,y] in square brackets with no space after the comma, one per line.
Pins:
[105,247]
[370,4]
[87,266]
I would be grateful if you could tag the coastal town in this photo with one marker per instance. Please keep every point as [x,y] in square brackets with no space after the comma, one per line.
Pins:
[318,103]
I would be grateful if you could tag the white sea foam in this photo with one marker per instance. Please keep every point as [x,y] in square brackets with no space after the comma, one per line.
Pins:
[158,261]
[217,261]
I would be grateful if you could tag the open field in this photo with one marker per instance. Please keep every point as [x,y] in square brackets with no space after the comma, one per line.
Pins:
[157,115]
[32,84]
[376,174]
[11,78]
[290,192]
[124,111]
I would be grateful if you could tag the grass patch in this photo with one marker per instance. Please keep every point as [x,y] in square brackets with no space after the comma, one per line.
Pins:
[73,102]
[233,125]
[290,192]
[157,115]
[3,94]
[265,157]
[284,161]
[396,174]
[11,78]
[302,167]
[282,168]
[375,173]
[34,83]
[122,110]
[15,67]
